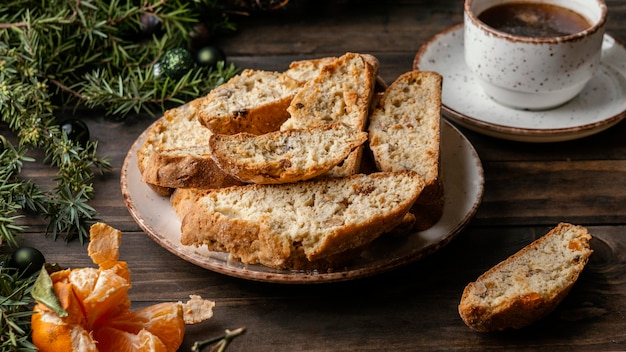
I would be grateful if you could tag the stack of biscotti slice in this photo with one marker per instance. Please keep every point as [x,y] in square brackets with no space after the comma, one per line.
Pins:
[528,285]
[313,224]
[404,134]
[172,155]
[319,148]
[176,153]
[183,159]
[341,92]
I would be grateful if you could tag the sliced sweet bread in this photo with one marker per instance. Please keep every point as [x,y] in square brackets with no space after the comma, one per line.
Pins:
[303,225]
[186,167]
[172,157]
[528,285]
[284,156]
[404,134]
[341,92]
[254,101]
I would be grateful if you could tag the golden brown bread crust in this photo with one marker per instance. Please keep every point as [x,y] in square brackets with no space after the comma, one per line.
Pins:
[528,285]
[259,239]
[254,120]
[193,170]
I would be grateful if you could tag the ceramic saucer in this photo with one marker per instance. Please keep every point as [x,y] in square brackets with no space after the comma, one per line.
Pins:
[599,106]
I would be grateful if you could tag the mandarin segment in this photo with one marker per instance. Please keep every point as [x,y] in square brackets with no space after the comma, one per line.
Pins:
[163,320]
[122,341]
[99,317]
[108,298]
[50,333]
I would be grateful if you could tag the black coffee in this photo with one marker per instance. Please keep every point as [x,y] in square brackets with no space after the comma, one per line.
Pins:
[529,19]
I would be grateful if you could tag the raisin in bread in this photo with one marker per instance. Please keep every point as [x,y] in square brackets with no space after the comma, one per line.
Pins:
[341,92]
[528,285]
[404,134]
[301,225]
[254,101]
[284,156]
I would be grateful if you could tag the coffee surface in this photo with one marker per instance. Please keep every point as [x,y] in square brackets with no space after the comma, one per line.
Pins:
[529,19]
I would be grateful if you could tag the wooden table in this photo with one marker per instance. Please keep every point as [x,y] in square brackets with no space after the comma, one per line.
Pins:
[529,188]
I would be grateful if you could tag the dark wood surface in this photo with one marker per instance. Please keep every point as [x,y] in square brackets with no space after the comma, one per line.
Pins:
[529,188]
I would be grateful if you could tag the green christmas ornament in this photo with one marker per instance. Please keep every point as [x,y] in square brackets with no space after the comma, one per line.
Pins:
[176,63]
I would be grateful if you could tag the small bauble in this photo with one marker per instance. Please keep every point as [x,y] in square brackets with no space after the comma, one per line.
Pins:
[209,56]
[150,24]
[27,260]
[76,130]
[176,63]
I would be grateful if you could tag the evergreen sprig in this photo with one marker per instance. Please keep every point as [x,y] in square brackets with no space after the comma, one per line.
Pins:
[97,54]
[16,306]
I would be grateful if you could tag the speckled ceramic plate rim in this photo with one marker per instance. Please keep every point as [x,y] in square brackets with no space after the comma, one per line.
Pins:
[463,180]
[491,126]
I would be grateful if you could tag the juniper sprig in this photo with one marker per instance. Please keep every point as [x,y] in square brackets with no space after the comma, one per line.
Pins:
[88,54]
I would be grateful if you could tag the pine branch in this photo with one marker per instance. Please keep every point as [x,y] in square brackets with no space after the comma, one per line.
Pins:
[92,54]
[16,310]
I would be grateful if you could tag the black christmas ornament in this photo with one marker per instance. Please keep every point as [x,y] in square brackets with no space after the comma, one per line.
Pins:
[27,260]
[209,56]
[76,130]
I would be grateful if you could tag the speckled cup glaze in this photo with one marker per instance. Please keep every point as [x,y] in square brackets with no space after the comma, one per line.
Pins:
[533,73]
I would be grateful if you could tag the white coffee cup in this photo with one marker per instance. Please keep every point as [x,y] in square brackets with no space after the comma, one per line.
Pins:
[533,73]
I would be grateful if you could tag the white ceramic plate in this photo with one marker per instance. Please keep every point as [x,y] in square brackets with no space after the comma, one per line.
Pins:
[599,106]
[463,183]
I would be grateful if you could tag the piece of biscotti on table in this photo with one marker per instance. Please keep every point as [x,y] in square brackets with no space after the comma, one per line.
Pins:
[404,134]
[254,101]
[341,92]
[284,156]
[528,285]
[303,225]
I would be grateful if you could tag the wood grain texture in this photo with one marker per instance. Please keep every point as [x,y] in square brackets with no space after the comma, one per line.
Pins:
[529,188]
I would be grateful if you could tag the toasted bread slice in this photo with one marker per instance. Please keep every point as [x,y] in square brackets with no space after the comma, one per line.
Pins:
[284,156]
[404,134]
[300,225]
[177,129]
[190,167]
[528,285]
[341,92]
[254,101]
